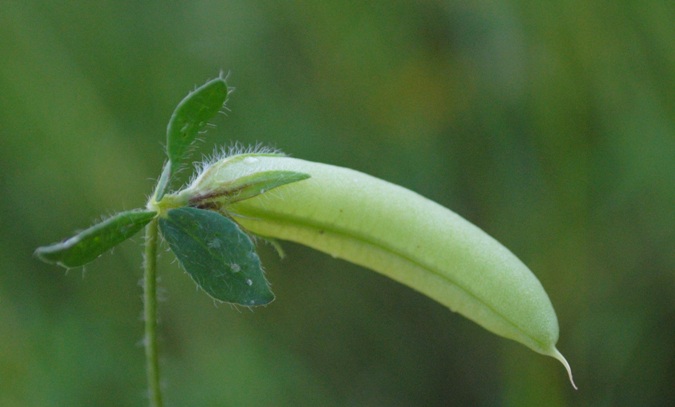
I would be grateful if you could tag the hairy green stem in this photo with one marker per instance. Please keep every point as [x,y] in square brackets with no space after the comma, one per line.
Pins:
[150,314]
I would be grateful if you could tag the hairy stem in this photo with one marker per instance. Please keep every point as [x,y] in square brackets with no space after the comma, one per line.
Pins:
[150,314]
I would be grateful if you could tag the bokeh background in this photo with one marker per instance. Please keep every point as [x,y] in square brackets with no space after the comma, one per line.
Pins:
[551,125]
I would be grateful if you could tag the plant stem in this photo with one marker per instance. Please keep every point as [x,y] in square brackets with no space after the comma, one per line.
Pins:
[150,314]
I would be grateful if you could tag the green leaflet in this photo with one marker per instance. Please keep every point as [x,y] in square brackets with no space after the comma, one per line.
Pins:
[191,116]
[219,257]
[96,240]
[244,187]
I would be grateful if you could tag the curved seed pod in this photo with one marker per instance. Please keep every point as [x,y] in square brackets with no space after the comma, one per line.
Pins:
[398,233]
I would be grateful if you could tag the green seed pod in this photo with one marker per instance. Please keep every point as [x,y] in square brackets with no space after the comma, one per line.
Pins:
[398,233]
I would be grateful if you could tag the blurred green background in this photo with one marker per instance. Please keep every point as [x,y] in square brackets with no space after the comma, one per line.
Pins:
[551,125]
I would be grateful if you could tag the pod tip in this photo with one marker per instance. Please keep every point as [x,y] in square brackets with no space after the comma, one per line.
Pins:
[556,354]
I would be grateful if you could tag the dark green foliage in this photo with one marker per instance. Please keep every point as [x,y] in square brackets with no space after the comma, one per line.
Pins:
[96,240]
[191,117]
[219,257]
